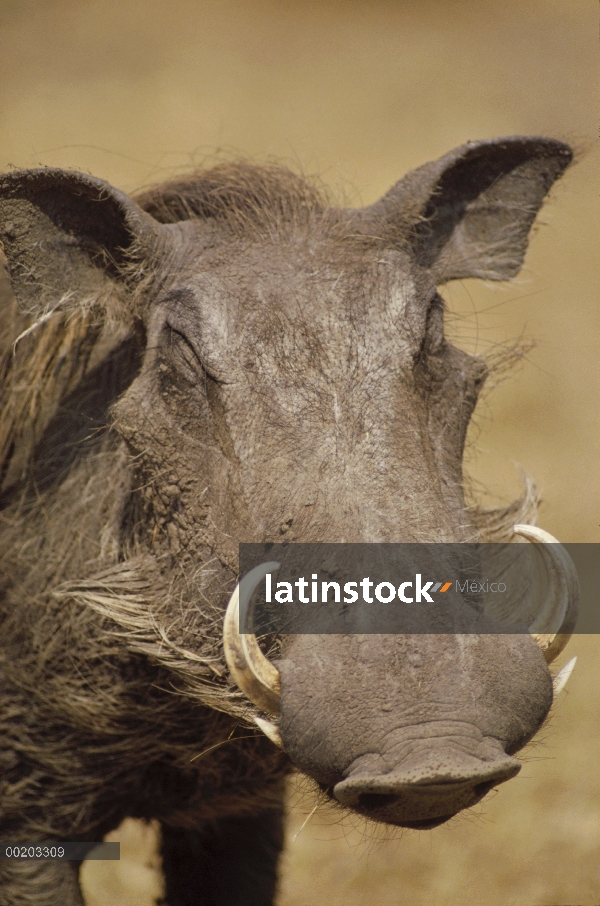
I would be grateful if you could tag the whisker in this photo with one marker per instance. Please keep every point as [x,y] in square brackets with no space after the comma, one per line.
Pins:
[230,738]
[305,822]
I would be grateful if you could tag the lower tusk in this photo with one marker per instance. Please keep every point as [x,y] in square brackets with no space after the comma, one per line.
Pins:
[270,730]
[562,677]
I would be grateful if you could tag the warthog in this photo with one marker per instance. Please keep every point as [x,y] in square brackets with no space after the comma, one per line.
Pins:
[228,358]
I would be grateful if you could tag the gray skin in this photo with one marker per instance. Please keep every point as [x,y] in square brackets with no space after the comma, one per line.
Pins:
[229,359]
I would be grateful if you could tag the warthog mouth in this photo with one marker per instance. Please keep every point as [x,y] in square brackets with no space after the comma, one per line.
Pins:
[426,825]
[381,807]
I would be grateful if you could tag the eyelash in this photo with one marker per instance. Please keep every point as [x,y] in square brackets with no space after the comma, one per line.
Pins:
[436,306]
[431,344]
[183,354]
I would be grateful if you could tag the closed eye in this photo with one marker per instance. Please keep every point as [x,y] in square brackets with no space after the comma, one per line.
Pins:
[182,355]
[434,324]
[433,336]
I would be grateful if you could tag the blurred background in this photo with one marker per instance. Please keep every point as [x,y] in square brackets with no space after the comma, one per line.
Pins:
[358,92]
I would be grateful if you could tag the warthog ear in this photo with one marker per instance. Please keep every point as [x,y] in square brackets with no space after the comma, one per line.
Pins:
[469,213]
[72,243]
[67,236]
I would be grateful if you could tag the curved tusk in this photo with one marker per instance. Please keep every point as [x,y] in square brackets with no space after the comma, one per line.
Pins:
[252,671]
[270,730]
[562,677]
[554,624]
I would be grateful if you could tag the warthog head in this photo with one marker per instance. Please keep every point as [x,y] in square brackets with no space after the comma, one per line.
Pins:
[296,384]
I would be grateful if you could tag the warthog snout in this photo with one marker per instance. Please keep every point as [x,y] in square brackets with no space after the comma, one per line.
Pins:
[421,746]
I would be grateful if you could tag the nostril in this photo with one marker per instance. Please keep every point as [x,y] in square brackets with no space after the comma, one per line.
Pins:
[480,789]
[374,801]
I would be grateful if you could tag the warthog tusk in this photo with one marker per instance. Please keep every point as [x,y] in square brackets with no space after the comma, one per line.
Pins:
[252,671]
[562,677]
[270,730]
[554,624]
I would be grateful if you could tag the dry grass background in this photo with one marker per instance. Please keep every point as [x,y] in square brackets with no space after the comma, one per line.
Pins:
[359,91]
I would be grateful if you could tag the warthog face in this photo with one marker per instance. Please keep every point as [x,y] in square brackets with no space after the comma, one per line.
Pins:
[297,384]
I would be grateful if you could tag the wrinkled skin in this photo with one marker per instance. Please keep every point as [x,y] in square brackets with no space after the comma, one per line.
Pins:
[281,372]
